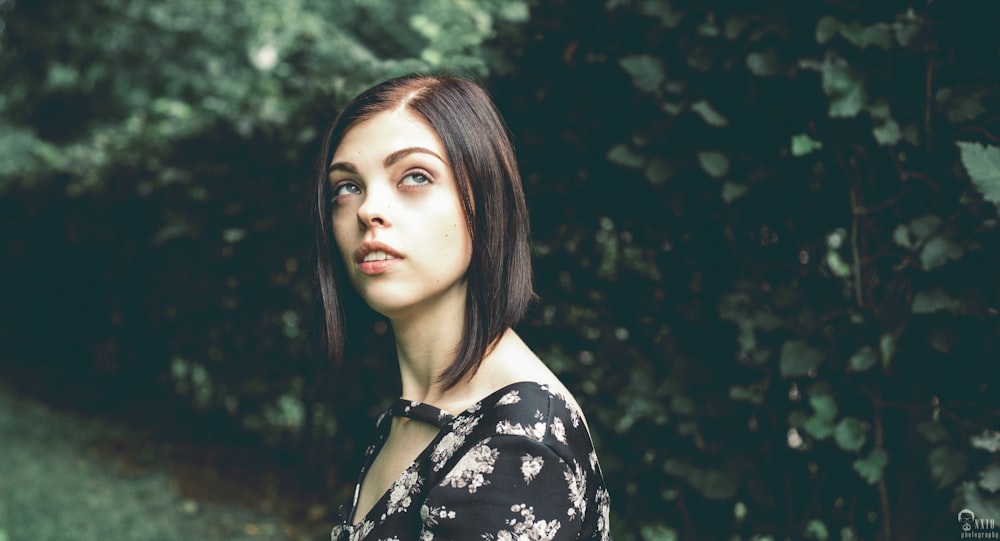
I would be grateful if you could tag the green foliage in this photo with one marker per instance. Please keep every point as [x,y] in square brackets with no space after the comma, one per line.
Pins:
[815,529]
[947,465]
[872,467]
[154,185]
[802,144]
[799,359]
[928,302]
[764,238]
[646,71]
[982,163]
[863,359]
[799,171]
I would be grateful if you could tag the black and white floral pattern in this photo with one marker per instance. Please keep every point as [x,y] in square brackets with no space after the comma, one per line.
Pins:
[452,440]
[401,491]
[512,397]
[474,468]
[531,466]
[517,466]
[527,527]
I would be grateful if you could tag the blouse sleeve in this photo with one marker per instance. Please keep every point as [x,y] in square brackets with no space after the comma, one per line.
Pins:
[506,488]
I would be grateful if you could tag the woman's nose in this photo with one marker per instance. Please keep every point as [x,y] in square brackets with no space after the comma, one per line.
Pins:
[374,210]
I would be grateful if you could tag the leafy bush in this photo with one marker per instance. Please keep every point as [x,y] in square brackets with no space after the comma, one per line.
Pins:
[765,236]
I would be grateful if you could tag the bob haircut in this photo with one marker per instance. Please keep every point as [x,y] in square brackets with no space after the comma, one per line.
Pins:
[478,146]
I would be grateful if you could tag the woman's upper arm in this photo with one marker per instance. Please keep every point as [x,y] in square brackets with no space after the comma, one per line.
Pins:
[506,487]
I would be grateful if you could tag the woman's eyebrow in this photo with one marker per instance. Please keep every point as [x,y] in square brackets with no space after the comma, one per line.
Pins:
[402,153]
[389,160]
[343,166]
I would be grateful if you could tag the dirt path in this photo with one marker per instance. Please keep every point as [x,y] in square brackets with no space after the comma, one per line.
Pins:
[56,484]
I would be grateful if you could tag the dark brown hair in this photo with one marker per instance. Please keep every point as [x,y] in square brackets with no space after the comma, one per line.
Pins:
[478,145]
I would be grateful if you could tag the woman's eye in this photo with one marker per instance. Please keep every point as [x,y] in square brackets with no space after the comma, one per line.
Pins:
[347,188]
[415,179]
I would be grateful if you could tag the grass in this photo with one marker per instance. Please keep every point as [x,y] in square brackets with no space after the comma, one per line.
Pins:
[68,477]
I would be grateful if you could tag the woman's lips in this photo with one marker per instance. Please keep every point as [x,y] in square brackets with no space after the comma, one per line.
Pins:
[377,262]
[376,258]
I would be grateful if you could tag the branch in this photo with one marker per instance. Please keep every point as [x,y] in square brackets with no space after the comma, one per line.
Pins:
[888,202]
[905,175]
[855,253]
[883,492]
[981,130]
[928,100]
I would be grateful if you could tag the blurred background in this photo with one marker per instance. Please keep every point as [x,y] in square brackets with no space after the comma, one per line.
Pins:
[765,235]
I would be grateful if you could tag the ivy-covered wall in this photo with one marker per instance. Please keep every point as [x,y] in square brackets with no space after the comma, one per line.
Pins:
[765,236]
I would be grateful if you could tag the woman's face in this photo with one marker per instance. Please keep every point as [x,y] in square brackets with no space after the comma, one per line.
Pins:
[397,218]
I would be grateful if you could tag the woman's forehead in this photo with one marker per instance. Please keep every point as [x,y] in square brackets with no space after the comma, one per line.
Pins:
[385,133]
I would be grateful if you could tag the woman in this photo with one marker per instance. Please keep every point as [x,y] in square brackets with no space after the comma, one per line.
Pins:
[422,216]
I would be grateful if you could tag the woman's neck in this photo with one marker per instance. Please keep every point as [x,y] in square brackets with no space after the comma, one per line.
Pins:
[426,344]
[509,361]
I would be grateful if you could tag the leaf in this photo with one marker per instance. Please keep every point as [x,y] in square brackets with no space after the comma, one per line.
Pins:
[850,433]
[901,236]
[733,306]
[732,191]
[932,431]
[816,529]
[947,465]
[819,427]
[938,251]
[715,484]
[928,302]
[682,405]
[924,226]
[887,133]
[989,478]
[862,36]
[753,394]
[824,405]
[988,440]
[844,87]
[863,359]
[942,338]
[658,532]
[709,114]
[647,72]
[659,171]
[714,163]
[802,144]
[768,321]
[624,156]
[233,235]
[763,64]
[965,108]
[873,466]
[798,359]
[734,26]
[877,34]
[515,12]
[971,498]
[708,28]
[177,226]
[982,163]
[661,10]
[907,28]
[826,29]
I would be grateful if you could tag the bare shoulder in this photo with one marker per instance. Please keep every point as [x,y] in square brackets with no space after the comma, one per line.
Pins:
[513,361]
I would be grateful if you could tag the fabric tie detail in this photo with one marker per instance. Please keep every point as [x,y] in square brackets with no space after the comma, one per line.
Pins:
[419,411]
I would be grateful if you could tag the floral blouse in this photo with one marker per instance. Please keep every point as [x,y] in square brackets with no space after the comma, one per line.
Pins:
[518,465]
